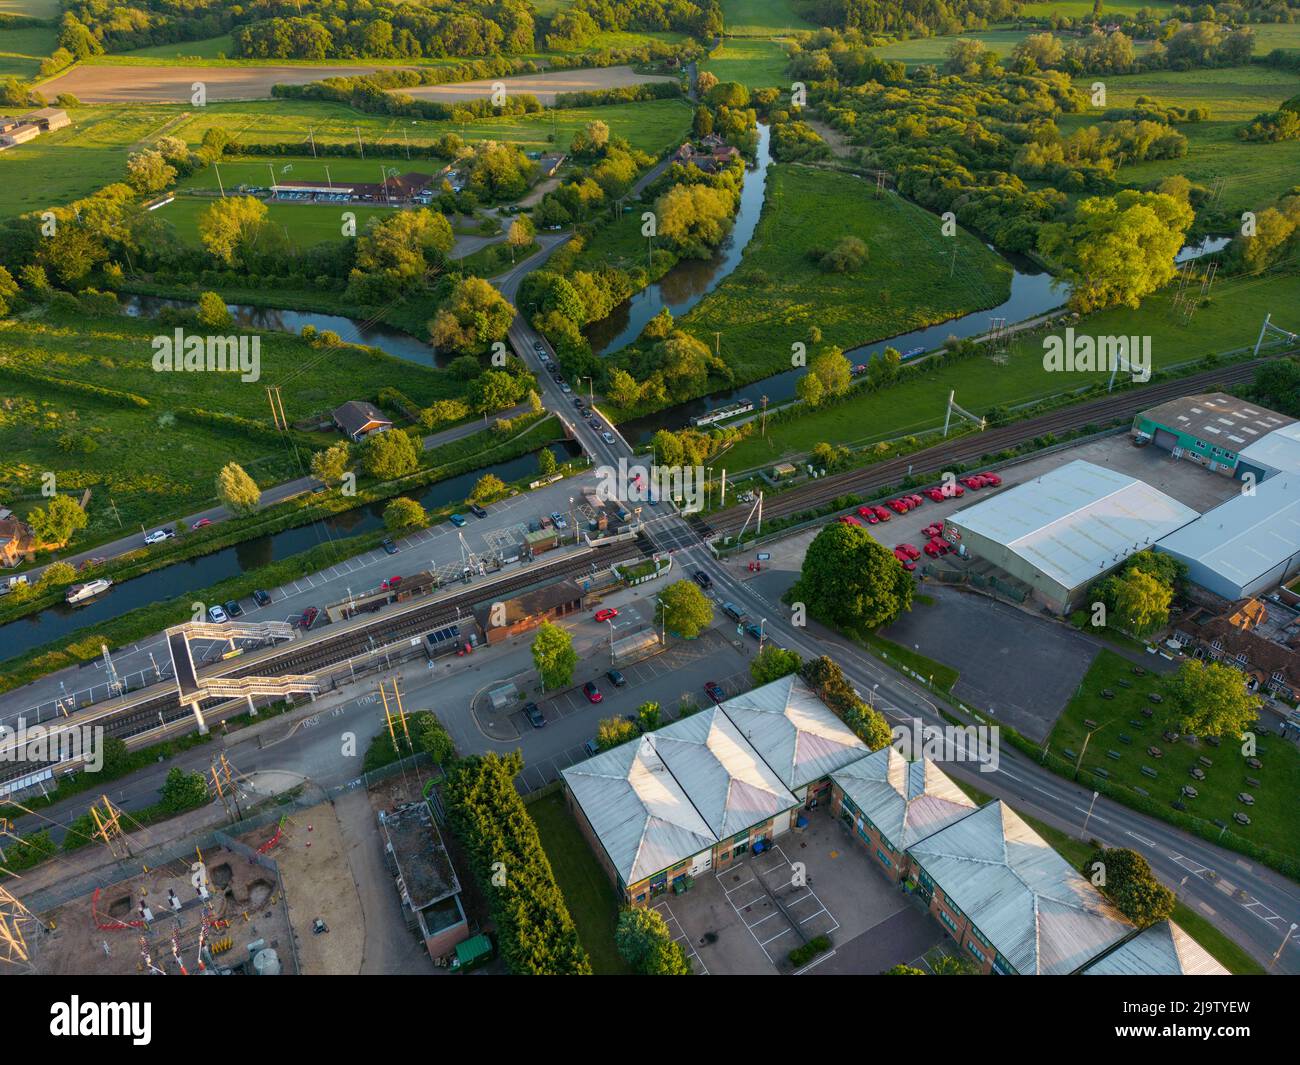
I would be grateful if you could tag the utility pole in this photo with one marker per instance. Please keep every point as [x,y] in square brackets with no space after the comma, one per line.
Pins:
[277,408]
[408,144]
[1089,814]
[360,146]
[217,167]
[274,187]
[312,134]
[717,344]
[764,416]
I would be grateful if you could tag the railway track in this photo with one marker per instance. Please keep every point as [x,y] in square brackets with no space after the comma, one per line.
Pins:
[165,708]
[972,447]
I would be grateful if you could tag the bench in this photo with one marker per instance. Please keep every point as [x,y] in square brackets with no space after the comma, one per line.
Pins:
[1113,755]
[1253,782]
[1090,722]
[1070,754]
[1142,791]
[1147,771]
[1102,773]
[1205,761]
[1125,738]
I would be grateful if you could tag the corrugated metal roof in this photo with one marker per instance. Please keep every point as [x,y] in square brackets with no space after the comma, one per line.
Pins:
[907,801]
[1040,914]
[1246,536]
[1214,417]
[640,813]
[1278,450]
[1164,949]
[1077,521]
[724,777]
[795,732]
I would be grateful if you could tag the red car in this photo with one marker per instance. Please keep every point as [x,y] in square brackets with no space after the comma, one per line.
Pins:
[909,550]
[714,691]
[904,561]
[869,515]
[607,614]
[899,506]
[882,513]
[933,530]
[202,523]
[848,519]
[935,548]
[592,692]
[973,481]
[992,480]
[914,499]
[309,617]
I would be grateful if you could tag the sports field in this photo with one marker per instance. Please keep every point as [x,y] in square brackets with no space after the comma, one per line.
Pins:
[304,224]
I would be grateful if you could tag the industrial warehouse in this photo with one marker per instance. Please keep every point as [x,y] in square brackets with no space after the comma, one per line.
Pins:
[694,797]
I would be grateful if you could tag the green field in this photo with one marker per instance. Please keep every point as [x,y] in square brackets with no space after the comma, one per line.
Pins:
[261,170]
[1083,8]
[778,293]
[587,890]
[21,50]
[920,50]
[48,9]
[72,163]
[1252,174]
[304,224]
[762,18]
[149,461]
[1273,824]
[208,48]
[1231,320]
[755,63]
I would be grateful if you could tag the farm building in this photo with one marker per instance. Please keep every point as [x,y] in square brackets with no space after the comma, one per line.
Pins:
[1243,546]
[1214,430]
[1009,900]
[48,119]
[1062,531]
[891,803]
[359,420]
[1163,949]
[700,793]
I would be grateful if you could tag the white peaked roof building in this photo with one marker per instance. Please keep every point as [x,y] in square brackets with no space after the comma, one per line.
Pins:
[906,801]
[797,734]
[638,810]
[726,780]
[1164,949]
[1060,532]
[1041,915]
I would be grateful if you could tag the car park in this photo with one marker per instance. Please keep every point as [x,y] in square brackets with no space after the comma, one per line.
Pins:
[714,691]
[217,615]
[389,547]
[702,579]
[158,536]
[477,511]
[606,614]
[592,692]
[616,678]
[233,609]
[262,597]
[202,523]
[457,520]
[534,715]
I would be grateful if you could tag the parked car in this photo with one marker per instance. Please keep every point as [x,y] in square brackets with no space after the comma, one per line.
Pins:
[755,631]
[868,514]
[606,614]
[234,609]
[309,617]
[477,511]
[534,714]
[732,611]
[158,536]
[546,522]
[906,562]
[714,691]
[592,692]
[457,520]
[992,480]
[389,547]
[914,499]
[933,530]
[262,597]
[564,387]
[616,678]
[202,523]
[973,481]
[392,582]
[592,748]
[899,506]
[702,579]
[848,519]
[560,521]
[882,513]
[910,550]
[217,615]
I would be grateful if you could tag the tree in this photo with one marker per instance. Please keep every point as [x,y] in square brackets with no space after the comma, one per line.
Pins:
[331,464]
[403,513]
[773,663]
[56,524]
[237,490]
[231,226]
[683,609]
[647,716]
[488,488]
[1129,883]
[694,218]
[592,140]
[56,574]
[389,455]
[947,965]
[809,389]
[183,791]
[546,462]
[834,371]
[847,256]
[554,656]
[645,942]
[475,316]
[612,732]
[495,390]
[8,290]
[1118,249]
[520,234]
[967,56]
[704,81]
[212,311]
[1141,602]
[1210,699]
[432,738]
[904,970]
[623,390]
[852,581]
